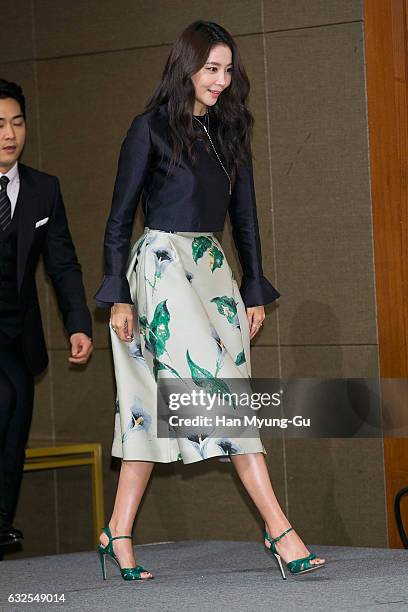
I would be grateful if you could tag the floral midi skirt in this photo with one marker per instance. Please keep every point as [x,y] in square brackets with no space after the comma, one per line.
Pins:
[189,321]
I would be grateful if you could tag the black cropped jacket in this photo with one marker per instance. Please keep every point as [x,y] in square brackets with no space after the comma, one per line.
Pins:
[193,197]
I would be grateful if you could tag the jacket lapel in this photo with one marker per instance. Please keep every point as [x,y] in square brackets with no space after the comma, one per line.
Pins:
[27,202]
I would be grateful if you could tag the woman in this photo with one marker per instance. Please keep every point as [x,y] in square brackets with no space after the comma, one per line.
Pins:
[176,311]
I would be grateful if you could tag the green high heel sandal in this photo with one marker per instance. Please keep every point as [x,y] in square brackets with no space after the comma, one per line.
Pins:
[128,573]
[297,566]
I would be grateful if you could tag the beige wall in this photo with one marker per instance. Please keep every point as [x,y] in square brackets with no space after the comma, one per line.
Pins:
[87,69]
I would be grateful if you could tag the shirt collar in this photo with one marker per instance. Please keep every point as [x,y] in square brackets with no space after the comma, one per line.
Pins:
[12,174]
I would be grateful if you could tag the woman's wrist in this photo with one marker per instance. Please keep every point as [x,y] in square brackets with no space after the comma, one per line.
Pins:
[121,307]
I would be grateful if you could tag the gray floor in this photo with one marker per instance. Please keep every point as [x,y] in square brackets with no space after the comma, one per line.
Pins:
[213,576]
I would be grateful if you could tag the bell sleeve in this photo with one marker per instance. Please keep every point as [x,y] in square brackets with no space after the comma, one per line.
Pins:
[132,170]
[255,288]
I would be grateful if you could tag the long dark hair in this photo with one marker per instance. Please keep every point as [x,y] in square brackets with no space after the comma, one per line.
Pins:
[187,56]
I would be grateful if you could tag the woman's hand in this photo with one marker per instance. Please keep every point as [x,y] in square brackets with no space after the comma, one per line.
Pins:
[256,315]
[122,321]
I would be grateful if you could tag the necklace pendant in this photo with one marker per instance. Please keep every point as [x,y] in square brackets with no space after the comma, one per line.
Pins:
[214,149]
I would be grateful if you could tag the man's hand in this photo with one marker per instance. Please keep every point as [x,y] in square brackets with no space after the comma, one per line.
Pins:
[256,315]
[81,348]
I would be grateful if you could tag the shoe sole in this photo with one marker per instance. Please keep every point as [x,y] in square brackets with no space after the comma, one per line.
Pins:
[311,569]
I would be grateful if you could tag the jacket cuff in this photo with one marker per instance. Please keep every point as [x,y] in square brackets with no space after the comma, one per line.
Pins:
[114,290]
[79,321]
[257,291]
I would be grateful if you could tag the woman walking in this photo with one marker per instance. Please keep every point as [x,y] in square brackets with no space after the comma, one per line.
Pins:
[176,310]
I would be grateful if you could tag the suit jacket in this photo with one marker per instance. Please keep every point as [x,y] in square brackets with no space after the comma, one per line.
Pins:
[43,230]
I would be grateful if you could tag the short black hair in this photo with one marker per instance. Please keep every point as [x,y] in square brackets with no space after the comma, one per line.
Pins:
[9,89]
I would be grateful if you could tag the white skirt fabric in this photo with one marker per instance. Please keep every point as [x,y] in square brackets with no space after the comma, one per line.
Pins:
[189,318]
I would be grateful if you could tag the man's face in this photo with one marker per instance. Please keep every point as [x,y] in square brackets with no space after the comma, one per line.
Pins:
[12,133]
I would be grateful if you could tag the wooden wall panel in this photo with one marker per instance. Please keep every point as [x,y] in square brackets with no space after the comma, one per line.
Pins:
[386,66]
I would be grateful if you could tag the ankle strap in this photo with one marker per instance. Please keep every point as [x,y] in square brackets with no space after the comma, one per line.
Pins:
[273,541]
[109,534]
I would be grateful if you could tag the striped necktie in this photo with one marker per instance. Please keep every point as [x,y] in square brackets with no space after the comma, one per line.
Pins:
[5,204]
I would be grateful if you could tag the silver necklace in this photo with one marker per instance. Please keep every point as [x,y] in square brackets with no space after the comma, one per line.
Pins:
[212,144]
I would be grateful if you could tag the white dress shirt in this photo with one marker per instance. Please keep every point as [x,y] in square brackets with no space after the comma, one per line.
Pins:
[13,187]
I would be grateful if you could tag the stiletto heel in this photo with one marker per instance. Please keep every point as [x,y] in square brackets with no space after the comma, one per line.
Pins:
[128,573]
[297,566]
[279,562]
[102,560]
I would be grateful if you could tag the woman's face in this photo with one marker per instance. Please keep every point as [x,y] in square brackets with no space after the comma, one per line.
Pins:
[213,78]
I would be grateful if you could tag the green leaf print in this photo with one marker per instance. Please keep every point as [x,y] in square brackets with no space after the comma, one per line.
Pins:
[216,258]
[159,329]
[199,246]
[240,358]
[143,324]
[204,379]
[227,307]
[159,365]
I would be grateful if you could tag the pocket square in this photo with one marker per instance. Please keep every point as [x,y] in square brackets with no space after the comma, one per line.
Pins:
[41,222]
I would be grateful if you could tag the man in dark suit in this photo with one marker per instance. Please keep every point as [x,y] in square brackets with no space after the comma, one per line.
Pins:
[32,223]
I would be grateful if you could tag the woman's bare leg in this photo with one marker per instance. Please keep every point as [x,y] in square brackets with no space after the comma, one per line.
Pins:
[133,479]
[253,472]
